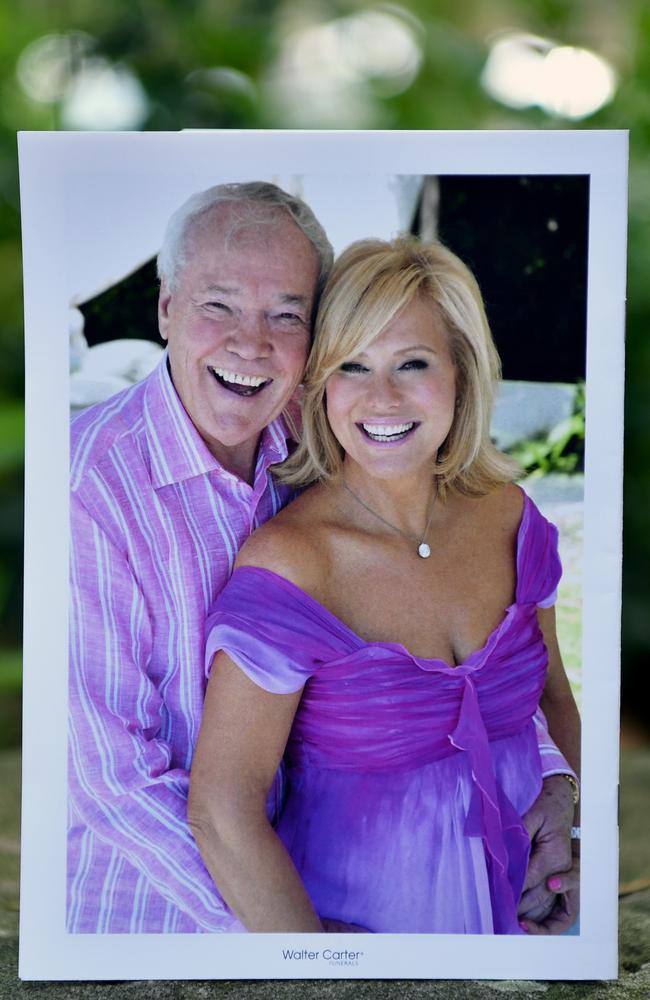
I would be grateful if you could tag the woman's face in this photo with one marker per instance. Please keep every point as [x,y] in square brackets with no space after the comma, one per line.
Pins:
[392,405]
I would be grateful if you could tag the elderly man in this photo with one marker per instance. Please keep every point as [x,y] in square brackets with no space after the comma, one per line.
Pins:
[168,479]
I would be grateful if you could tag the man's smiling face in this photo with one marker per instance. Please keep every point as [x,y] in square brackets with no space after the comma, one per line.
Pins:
[237,323]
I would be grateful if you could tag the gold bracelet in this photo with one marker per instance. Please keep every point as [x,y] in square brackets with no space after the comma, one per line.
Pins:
[575,787]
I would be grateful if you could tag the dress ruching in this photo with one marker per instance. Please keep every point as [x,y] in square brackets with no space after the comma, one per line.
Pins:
[407,776]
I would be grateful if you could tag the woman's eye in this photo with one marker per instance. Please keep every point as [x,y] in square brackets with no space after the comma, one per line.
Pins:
[415,364]
[352,368]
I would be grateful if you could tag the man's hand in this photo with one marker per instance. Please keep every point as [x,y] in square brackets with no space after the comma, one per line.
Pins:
[549,902]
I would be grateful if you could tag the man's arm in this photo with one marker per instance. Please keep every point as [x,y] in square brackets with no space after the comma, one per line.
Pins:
[121,782]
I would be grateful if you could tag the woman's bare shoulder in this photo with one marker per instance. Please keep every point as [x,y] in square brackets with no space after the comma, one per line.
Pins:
[506,505]
[287,544]
[500,510]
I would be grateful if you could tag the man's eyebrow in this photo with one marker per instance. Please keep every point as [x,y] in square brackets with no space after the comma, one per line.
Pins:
[223,289]
[286,298]
[289,299]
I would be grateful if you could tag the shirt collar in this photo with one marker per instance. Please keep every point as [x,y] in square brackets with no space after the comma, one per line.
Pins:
[178,451]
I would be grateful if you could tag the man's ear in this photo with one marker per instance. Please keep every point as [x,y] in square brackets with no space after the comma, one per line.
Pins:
[164,299]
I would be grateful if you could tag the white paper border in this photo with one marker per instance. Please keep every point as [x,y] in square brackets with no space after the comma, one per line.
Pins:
[47,161]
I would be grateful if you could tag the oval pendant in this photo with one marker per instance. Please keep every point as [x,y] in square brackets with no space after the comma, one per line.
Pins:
[423,550]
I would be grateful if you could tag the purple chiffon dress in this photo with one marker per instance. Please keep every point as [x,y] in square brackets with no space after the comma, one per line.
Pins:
[407,776]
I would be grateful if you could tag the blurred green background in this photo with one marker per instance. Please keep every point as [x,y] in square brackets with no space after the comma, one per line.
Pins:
[167,64]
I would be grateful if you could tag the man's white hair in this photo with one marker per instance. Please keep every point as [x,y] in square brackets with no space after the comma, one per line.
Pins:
[262,202]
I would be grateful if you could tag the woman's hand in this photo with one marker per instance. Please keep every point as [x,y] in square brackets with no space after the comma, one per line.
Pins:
[565,906]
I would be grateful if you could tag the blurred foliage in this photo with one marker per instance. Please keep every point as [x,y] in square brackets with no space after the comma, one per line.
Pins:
[226,65]
[561,450]
[10,670]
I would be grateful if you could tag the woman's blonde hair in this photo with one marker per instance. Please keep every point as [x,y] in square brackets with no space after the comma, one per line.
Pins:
[370,282]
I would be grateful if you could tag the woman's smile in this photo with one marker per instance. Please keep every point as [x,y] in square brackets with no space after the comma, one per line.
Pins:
[387,433]
[391,406]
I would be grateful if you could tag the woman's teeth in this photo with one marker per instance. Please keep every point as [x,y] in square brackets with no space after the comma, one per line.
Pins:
[392,432]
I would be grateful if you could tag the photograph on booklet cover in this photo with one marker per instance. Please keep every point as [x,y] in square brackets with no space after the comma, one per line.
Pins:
[373,753]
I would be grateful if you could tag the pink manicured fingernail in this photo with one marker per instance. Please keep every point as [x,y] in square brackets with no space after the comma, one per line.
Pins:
[523,926]
[555,883]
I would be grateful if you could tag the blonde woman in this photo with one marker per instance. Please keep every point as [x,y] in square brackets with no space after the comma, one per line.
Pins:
[390,633]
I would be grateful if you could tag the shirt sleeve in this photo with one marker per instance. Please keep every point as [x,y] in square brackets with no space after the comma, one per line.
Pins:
[549,600]
[273,666]
[270,629]
[538,561]
[553,761]
[540,572]
[121,782]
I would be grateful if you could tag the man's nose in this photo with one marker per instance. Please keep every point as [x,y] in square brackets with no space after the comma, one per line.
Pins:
[251,338]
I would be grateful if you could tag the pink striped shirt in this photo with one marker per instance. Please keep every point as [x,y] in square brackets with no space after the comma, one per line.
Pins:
[156,526]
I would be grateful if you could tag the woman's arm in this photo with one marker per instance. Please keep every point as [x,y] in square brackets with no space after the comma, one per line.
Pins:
[557,701]
[550,905]
[243,735]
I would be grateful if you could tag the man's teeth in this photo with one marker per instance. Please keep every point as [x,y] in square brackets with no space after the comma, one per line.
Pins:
[254,381]
[388,432]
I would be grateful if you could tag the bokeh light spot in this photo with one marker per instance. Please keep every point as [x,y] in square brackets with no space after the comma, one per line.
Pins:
[524,71]
[335,70]
[103,97]
[46,66]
